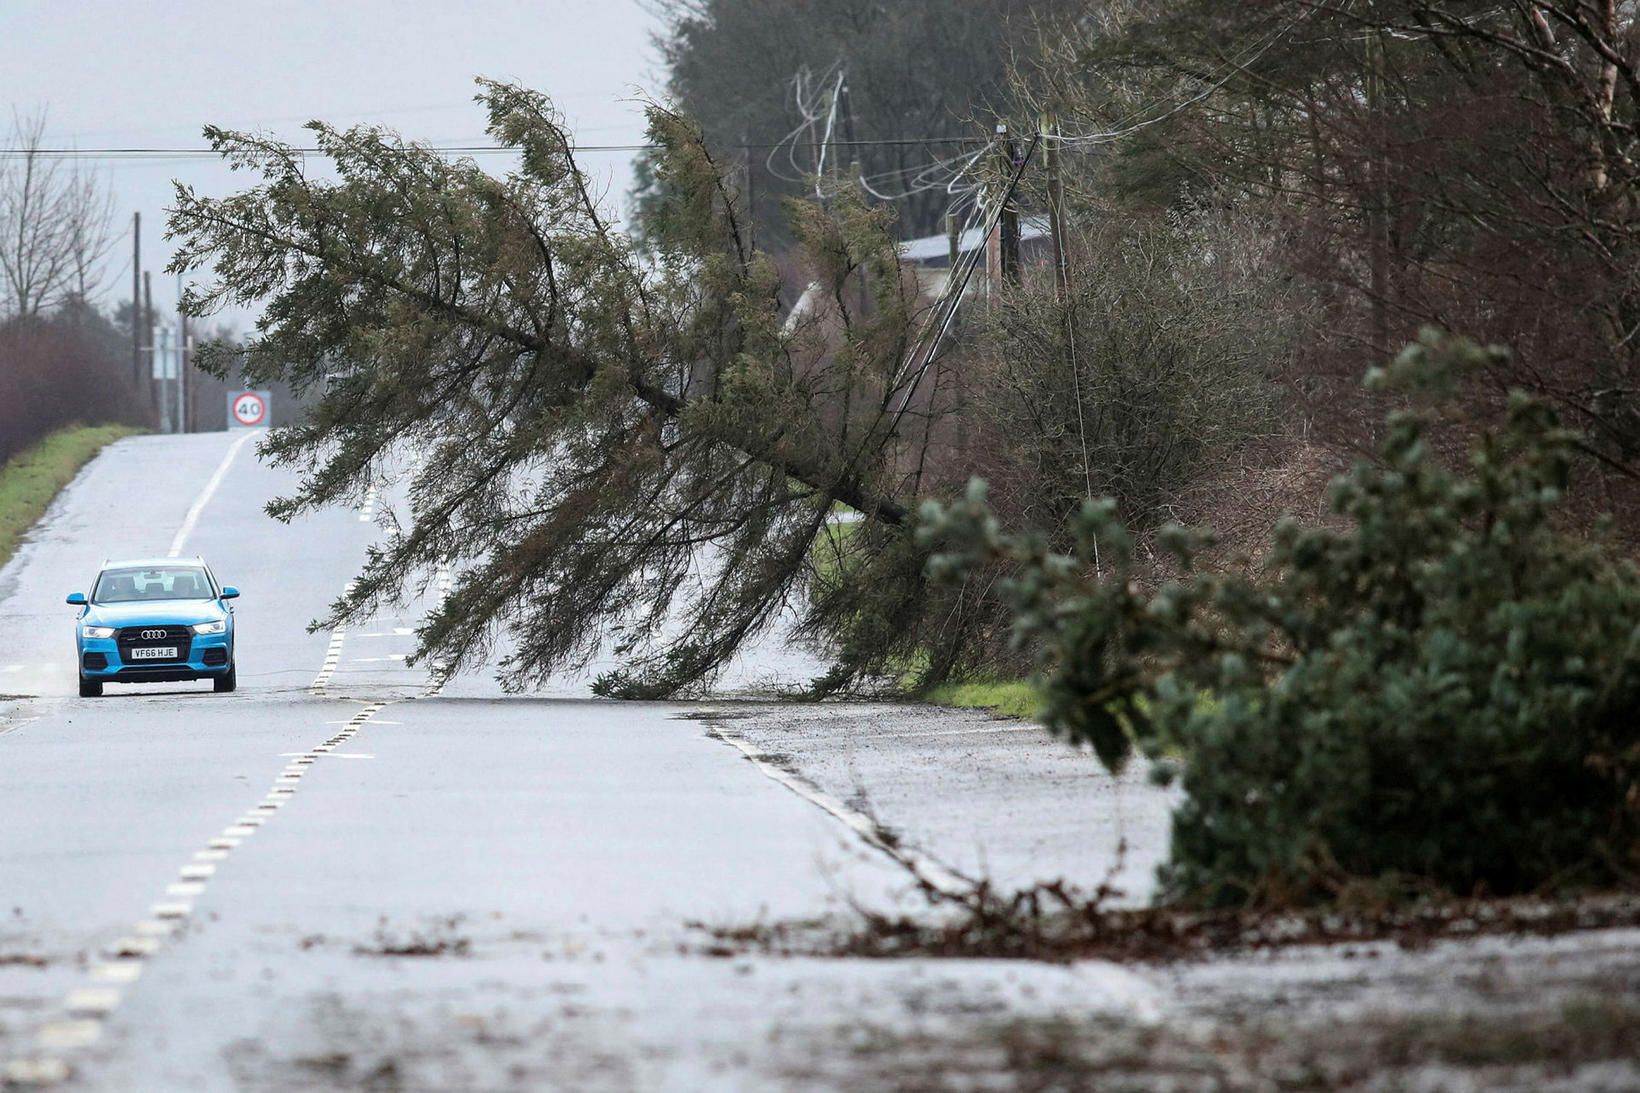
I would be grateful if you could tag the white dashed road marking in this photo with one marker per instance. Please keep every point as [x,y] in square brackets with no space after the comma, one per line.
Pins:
[67,1034]
[333,657]
[118,971]
[443,585]
[85,1009]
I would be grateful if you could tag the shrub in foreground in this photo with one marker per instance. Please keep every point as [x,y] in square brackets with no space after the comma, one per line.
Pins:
[1440,691]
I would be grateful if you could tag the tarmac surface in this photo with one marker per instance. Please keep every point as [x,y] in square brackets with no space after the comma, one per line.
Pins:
[334,877]
[338,878]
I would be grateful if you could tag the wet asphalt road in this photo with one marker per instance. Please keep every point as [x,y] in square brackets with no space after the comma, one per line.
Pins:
[334,879]
[277,885]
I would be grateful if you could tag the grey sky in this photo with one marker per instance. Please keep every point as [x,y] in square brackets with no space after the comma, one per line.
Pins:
[122,74]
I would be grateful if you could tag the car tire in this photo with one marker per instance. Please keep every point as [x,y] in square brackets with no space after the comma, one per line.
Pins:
[90,688]
[224,683]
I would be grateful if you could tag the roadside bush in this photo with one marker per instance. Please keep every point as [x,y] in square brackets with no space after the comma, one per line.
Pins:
[72,366]
[1439,692]
[1158,364]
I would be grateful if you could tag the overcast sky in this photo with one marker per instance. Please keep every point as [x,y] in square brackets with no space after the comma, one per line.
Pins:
[149,75]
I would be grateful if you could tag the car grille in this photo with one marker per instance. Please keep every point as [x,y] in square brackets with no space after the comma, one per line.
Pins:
[132,638]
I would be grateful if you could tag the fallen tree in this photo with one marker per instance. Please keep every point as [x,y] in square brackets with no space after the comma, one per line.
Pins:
[606,437]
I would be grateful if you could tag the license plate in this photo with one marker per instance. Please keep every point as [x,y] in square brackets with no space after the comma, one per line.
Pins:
[155,652]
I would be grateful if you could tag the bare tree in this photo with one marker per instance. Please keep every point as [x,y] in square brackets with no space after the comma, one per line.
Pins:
[55,224]
[90,233]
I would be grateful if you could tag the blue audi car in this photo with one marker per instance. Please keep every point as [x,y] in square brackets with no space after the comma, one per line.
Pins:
[155,621]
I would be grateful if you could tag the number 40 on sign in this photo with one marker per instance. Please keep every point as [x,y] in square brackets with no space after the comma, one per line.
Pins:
[247,409]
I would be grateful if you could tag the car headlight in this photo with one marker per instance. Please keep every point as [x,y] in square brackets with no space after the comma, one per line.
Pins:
[96,631]
[216,627]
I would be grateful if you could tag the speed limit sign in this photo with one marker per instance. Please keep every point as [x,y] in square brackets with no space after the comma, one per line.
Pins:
[247,409]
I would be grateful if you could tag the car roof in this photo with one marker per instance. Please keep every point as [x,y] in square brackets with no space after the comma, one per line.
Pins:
[153,563]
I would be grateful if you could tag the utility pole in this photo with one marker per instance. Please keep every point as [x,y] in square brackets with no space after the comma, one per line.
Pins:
[157,384]
[1009,225]
[1002,246]
[182,362]
[185,401]
[953,238]
[136,304]
[751,190]
[182,378]
[815,147]
[847,108]
[1056,203]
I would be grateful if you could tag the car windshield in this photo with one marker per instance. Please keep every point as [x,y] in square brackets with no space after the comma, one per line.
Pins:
[169,582]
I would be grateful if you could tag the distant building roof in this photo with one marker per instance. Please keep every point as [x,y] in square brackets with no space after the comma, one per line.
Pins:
[937,248]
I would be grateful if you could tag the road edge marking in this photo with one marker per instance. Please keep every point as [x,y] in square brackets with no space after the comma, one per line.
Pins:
[932,873]
[190,521]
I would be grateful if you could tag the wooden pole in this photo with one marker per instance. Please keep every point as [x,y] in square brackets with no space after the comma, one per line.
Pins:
[156,386]
[1002,245]
[136,304]
[1009,225]
[751,193]
[1056,203]
[182,362]
[993,238]
[846,106]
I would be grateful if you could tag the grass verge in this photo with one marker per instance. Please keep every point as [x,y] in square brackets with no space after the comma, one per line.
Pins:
[1005,697]
[31,479]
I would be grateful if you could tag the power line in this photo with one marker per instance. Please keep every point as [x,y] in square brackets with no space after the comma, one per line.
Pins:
[462,149]
[1228,72]
[960,285]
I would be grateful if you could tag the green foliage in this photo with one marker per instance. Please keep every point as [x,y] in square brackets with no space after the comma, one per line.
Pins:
[622,452]
[1019,698]
[1156,366]
[30,481]
[1442,691]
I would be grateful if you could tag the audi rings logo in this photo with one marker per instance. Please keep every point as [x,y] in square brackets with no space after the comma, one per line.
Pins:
[153,635]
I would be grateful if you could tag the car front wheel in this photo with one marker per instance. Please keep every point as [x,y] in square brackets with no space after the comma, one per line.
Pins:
[224,683]
[90,688]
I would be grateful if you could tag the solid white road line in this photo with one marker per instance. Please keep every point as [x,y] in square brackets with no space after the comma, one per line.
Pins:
[924,868]
[207,493]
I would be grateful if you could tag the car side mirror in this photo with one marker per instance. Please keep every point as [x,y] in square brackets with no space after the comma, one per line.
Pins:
[77,599]
[229,592]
